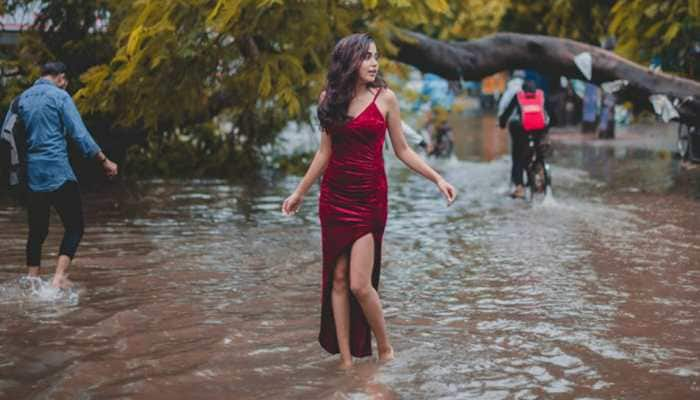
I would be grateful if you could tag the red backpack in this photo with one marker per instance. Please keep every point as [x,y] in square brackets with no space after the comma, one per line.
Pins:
[532,110]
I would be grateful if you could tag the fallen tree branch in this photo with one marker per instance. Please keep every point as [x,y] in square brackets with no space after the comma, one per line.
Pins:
[476,59]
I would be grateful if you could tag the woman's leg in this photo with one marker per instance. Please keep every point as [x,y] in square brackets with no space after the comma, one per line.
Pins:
[341,309]
[361,266]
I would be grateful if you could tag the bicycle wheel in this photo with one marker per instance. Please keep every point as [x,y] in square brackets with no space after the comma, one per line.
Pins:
[537,179]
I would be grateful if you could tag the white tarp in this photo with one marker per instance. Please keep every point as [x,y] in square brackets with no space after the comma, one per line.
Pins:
[663,107]
[614,86]
[584,62]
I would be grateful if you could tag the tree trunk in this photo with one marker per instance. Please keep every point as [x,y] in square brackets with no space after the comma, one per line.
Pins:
[476,59]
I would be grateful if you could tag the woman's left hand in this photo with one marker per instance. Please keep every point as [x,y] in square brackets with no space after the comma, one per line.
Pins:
[447,190]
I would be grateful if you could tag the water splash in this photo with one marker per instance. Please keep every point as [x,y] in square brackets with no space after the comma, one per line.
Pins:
[549,200]
[37,290]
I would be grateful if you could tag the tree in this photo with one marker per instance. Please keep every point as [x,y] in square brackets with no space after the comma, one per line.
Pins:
[474,59]
[582,20]
[666,29]
[255,63]
[67,31]
[221,77]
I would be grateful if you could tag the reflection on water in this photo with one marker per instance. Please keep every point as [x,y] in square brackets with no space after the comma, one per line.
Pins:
[479,138]
[201,289]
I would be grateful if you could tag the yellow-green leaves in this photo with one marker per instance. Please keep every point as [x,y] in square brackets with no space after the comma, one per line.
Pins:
[269,3]
[265,82]
[96,87]
[646,28]
[672,32]
[438,6]
[134,40]
[174,56]
[476,18]
[223,13]
[694,8]
[370,4]
[282,76]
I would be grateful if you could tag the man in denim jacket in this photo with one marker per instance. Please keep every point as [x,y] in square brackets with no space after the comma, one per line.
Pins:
[49,116]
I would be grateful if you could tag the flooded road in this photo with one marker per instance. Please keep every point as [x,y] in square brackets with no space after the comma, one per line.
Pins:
[201,289]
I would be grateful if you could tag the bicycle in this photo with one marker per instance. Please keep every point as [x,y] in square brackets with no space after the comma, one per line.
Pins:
[538,172]
[444,145]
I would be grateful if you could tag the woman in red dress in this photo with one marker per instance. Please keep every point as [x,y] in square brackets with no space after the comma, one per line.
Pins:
[355,110]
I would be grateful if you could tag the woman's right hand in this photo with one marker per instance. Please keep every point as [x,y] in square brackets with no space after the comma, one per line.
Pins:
[447,190]
[291,204]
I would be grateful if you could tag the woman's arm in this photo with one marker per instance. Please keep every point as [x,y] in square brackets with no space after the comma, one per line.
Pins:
[317,167]
[403,150]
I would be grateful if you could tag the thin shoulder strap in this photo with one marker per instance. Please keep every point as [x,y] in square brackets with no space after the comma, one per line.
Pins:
[379,90]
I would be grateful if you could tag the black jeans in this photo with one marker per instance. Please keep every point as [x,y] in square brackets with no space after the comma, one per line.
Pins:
[518,144]
[520,151]
[66,201]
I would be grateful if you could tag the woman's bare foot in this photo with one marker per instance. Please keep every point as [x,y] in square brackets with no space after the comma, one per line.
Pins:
[345,364]
[386,354]
[61,281]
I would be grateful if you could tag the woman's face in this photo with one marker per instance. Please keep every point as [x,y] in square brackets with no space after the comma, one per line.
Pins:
[370,65]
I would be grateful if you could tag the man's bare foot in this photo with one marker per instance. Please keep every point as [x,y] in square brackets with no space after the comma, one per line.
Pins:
[33,272]
[61,282]
[386,354]
[345,364]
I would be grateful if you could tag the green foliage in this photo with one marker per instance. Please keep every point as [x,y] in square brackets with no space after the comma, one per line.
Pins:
[188,152]
[258,64]
[258,54]
[462,19]
[164,70]
[642,28]
[649,28]
[582,20]
[65,31]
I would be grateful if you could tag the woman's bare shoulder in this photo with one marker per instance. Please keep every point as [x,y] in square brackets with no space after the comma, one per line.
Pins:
[387,96]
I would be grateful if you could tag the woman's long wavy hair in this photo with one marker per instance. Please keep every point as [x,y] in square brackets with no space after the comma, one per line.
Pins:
[342,77]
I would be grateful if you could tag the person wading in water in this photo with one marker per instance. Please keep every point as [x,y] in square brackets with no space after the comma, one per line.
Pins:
[355,110]
[49,116]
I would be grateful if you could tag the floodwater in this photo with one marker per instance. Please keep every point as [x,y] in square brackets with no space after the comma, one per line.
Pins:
[201,289]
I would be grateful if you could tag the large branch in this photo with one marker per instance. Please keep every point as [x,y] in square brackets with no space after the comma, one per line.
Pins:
[476,59]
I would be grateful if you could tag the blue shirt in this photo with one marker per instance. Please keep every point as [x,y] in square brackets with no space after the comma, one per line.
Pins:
[49,115]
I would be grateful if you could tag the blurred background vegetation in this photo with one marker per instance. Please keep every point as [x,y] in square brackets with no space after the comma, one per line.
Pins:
[199,87]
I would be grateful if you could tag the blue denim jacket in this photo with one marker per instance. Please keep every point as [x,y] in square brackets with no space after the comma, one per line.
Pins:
[50,115]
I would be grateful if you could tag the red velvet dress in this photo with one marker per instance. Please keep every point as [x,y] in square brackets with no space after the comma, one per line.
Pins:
[352,203]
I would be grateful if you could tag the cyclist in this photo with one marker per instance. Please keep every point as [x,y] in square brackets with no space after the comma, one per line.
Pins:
[440,133]
[444,140]
[525,115]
